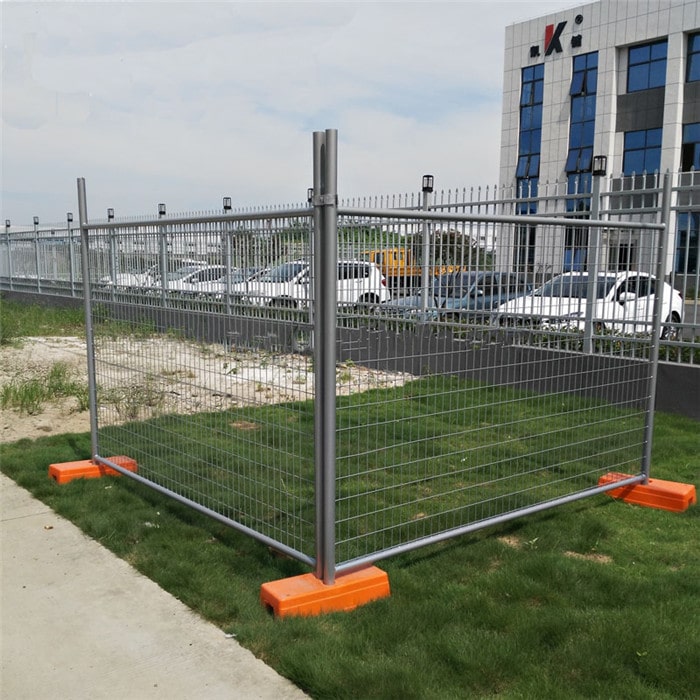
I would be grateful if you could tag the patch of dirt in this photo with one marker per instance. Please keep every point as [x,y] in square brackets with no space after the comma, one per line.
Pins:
[140,378]
[32,358]
[598,558]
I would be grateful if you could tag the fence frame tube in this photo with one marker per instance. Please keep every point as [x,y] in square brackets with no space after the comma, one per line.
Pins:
[325,201]
[656,325]
[87,304]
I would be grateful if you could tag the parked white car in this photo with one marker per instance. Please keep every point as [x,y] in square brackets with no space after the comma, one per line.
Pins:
[358,283]
[238,277]
[150,277]
[624,302]
[192,280]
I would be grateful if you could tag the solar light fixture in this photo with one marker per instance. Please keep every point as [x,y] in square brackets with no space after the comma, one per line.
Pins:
[36,221]
[69,217]
[7,223]
[428,181]
[227,203]
[600,165]
[310,195]
[110,214]
[161,209]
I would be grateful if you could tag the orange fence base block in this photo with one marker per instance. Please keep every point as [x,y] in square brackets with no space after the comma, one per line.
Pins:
[63,472]
[308,595]
[657,493]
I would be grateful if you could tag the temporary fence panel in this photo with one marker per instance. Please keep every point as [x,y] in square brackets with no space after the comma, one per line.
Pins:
[207,386]
[499,401]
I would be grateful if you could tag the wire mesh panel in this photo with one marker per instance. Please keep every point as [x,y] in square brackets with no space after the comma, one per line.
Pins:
[205,382]
[493,406]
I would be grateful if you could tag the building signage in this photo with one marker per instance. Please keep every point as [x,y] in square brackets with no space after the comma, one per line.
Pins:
[553,39]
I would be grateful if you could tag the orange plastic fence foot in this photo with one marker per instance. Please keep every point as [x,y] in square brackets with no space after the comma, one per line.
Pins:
[657,493]
[308,595]
[63,472]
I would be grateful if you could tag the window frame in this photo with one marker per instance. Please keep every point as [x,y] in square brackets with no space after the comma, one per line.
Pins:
[637,144]
[646,65]
[692,71]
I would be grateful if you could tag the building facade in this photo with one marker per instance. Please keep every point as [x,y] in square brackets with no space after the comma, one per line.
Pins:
[619,79]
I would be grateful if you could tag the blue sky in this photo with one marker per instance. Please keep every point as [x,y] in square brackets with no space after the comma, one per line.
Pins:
[185,103]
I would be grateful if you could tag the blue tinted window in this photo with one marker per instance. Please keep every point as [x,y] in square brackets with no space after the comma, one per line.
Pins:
[576,136]
[637,78]
[634,162]
[534,168]
[577,83]
[572,161]
[658,50]
[691,133]
[653,137]
[687,243]
[639,54]
[579,160]
[521,170]
[530,137]
[635,139]
[693,70]
[585,159]
[646,66]
[642,152]
[690,150]
[583,106]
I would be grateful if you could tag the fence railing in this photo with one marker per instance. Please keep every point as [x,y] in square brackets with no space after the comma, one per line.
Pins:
[46,259]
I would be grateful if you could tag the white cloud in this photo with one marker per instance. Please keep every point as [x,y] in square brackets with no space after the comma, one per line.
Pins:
[186,102]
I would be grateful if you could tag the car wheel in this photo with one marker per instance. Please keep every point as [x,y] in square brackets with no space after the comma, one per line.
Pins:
[670,330]
[283,303]
[367,304]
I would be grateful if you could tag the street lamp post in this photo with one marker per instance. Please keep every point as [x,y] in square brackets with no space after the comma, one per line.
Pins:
[427,186]
[598,172]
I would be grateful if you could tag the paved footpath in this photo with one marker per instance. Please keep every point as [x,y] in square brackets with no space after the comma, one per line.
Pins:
[78,623]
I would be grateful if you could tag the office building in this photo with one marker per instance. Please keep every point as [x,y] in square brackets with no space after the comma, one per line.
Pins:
[618,79]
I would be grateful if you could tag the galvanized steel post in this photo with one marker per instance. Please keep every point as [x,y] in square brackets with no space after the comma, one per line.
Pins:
[662,251]
[87,303]
[325,254]
[37,263]
[71,260]
[9,253]
[593,266]
[426,248]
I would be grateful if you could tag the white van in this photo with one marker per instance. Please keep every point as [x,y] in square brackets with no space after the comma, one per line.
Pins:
[358,283]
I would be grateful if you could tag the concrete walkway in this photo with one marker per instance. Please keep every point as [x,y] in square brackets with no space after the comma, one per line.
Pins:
[77,622]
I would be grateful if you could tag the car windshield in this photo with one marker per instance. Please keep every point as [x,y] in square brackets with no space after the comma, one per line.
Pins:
[237,276]
[574,287]
[181,272]
[282,273]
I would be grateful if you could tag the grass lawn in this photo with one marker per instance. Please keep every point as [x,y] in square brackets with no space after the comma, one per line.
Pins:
[593,599]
